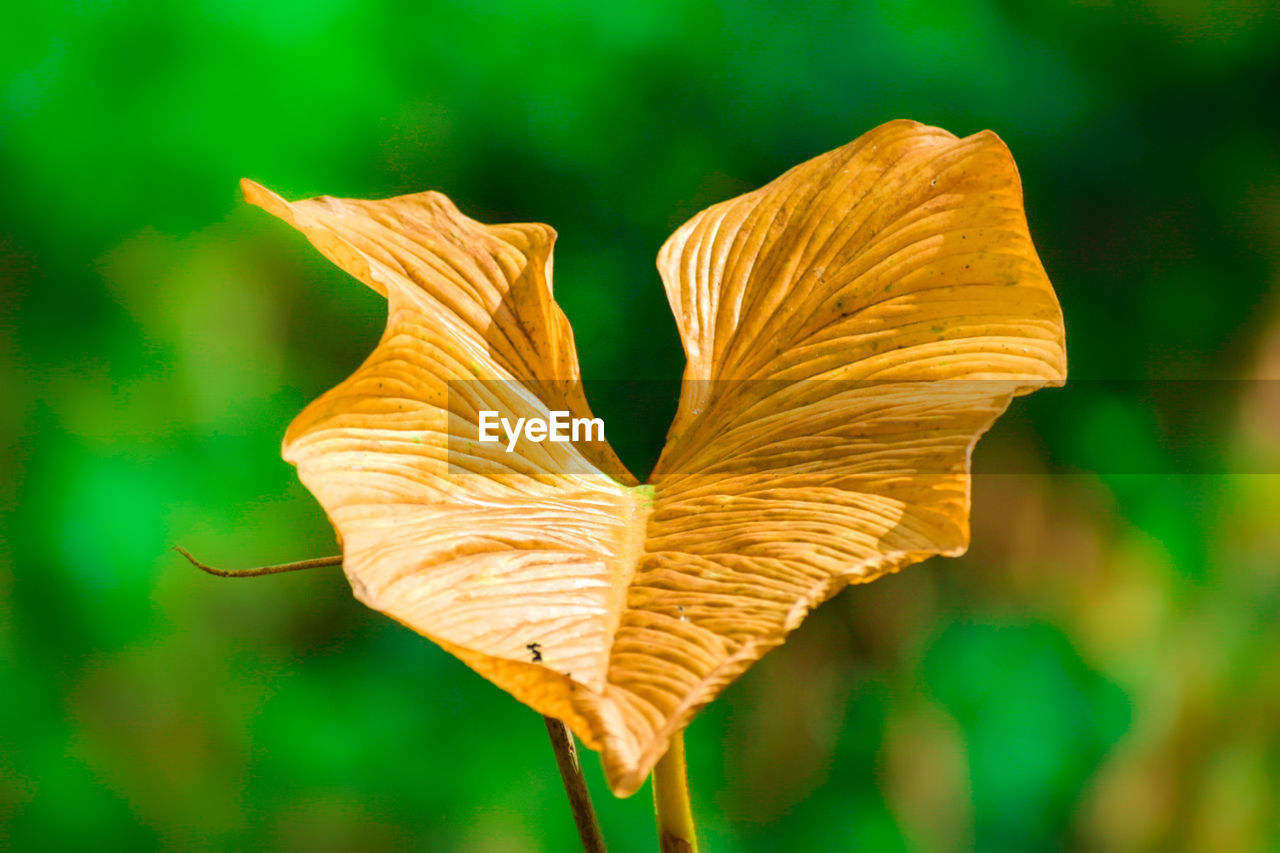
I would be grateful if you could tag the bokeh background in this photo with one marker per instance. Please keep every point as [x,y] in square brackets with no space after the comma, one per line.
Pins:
[1101,671]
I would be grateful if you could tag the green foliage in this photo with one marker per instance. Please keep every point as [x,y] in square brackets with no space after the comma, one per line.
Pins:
[1093,674]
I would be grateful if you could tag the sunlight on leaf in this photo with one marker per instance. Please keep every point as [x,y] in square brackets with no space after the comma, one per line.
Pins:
[851,329]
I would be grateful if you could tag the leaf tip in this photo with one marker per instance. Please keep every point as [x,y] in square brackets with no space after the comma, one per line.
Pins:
[259,196]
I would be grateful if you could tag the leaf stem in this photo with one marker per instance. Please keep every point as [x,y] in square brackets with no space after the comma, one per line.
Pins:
[264,570]
[584,815]
[671,801]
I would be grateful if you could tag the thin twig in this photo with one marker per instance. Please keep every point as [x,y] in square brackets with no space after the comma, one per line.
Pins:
[316,563]
[584,815]
[671,801]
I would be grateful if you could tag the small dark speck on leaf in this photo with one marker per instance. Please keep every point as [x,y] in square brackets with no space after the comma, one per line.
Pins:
[536,649]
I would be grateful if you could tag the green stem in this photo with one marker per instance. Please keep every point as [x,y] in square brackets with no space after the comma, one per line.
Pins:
[584,815]
[671,801]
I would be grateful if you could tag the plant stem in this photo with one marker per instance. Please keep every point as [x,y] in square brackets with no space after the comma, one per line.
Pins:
[584,815]
[316,563]
[671,801]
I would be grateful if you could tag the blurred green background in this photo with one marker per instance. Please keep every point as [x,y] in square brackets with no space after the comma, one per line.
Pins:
[1101,672]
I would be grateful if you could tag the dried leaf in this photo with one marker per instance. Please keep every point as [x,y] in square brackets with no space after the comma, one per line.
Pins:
[851,329]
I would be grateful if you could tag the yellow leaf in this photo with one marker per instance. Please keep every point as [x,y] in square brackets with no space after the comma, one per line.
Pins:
[851,329]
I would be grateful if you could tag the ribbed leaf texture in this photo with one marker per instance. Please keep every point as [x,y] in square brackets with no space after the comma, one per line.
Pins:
[851,329]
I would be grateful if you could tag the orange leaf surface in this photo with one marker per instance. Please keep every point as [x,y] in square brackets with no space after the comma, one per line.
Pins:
[851,329]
